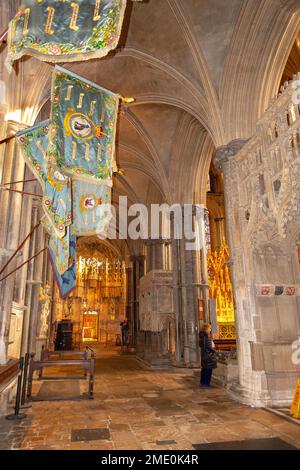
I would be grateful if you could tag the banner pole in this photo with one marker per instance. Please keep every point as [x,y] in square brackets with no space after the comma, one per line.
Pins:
[23,264]
[7,139]
[3,35]
[19,247]
[17,182]
[24,384]
[22,192]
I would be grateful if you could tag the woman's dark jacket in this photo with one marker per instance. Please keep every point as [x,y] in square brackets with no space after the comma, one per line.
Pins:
[208,353]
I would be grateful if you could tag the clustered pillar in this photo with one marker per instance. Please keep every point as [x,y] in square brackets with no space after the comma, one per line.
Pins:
[10,216]
[136,271]
[184,262]
[19,213]
[189,289]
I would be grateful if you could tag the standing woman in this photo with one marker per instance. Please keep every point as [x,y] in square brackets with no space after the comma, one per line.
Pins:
[208,355]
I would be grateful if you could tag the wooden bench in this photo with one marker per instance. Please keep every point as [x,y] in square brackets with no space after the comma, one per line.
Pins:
[88,363]
[47,355]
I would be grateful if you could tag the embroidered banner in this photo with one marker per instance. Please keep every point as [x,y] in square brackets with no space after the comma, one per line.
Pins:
[56,187]
[91,208]
[83,127]
[62,254]
[65,30]
[60,247]
[66,280]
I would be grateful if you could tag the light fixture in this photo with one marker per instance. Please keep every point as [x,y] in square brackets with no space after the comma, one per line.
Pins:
[127,99]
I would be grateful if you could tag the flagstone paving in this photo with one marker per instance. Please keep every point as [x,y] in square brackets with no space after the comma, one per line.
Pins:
[137,408]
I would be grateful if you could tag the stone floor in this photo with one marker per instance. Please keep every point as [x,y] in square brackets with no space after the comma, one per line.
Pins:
[136,408]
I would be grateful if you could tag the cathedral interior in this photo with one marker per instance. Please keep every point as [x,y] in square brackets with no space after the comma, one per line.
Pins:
[214,122]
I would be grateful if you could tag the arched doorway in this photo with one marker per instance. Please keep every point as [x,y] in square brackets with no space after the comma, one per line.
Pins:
[97,305]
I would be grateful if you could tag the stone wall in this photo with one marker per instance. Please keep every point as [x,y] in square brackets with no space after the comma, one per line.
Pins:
[157,323]
[262,188]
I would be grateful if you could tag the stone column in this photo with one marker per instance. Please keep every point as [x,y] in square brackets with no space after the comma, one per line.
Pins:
[137,271]
[152,256]
[203,275]
[186,267]
[155,254]
[149,256]
[128,292]
[159,257]
[34,281]
[177,297]
[194,281]
[43,269]
[141,266]
[225,161]
[10,216]
[190,323]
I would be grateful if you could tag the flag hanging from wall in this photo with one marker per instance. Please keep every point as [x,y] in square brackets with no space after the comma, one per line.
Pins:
[83,127]
[65,30]
[91,208]
[56,187]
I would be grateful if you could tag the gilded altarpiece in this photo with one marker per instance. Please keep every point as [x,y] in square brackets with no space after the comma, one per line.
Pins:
[97,305]
[221,291]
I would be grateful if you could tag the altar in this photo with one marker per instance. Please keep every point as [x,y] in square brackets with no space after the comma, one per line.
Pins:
[90,326]
[97,305]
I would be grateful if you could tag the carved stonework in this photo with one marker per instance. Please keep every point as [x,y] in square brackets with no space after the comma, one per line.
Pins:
[264,175]
[270,290]
[156,310]
[220,284]
[45,300]
[262,192]
[225,152]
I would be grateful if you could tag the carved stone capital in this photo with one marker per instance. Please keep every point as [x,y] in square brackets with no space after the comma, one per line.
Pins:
[225,152]
[13,127]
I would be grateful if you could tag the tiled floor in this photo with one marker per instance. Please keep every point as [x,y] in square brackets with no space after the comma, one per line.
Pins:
[135,408]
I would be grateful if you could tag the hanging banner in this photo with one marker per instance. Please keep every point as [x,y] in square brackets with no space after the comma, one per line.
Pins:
[34,142]
[83,127]
[65,30]
[56,187]
[60,247]
[91,208]
[66,280]
[62,254]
